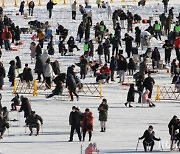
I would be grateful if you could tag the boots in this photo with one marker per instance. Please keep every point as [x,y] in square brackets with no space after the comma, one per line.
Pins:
[90,135]
[102,130]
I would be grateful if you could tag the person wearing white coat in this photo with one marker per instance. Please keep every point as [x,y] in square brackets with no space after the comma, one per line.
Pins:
[109,9]
[48,73]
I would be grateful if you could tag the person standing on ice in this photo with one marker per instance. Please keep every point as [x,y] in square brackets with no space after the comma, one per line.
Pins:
[11,72]
[74,7]
[7,36]
[49,6]
[31,8]
[109,10]
[87,123]
[74,120]
[148,84]
[165,2]
[2,75]
[103,113]
[21,8]
[130,96]
[149,137]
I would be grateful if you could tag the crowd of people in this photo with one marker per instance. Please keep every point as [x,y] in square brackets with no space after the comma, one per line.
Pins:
[109,42]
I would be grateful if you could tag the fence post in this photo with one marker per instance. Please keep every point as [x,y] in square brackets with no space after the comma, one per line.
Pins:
[64,2]
[157,93]
[35,90]
[100,86]
[3,3]
[15,86]
[40,3]
[15,3]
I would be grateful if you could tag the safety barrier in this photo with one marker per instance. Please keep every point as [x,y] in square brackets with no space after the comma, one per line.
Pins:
[167,93]
[23,87]
[88,89]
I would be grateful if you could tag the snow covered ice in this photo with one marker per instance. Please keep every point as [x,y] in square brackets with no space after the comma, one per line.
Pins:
[124,125]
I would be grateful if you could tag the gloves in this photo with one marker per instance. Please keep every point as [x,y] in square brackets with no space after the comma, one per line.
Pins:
[139,138]
[159,139]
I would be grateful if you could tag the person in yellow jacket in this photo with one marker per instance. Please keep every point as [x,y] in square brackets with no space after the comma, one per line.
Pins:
[40,36]
[157,29]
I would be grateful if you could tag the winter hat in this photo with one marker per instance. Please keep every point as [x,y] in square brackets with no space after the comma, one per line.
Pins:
[74,107]
[150,127]
[87,110]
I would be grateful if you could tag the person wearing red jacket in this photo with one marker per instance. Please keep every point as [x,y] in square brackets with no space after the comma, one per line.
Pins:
[106,72]
[87,123]
[6,36]
[177,47]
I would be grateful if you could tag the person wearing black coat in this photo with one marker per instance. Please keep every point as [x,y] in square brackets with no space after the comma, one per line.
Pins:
[27,74]
[39,67]
[58,90]
[74,120]
[83,67]
[80,31]
[123,17]
[130,96]
[115,45]
[137,36]
[100,52]
[70,70]
[113,65]
[1,40]
[31,8]
[173,125]
[12,29]
[131,66]
[130,19]
[155,58]
[148,84]
[49,6]
[106,46]
[87,31]
[11,72]
[118,30]
[168,48]
[50,48]
[38,50]
[121,68]
[18,64]
[2,75]
[17,33]
[115,18]
[71,85]
[71,44]
[15,101]
[140,87]
[25,106]
[149,137]
[128,42]
[165,2]
[21,8]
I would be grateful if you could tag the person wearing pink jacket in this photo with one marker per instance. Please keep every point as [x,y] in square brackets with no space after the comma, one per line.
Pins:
[146,99]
